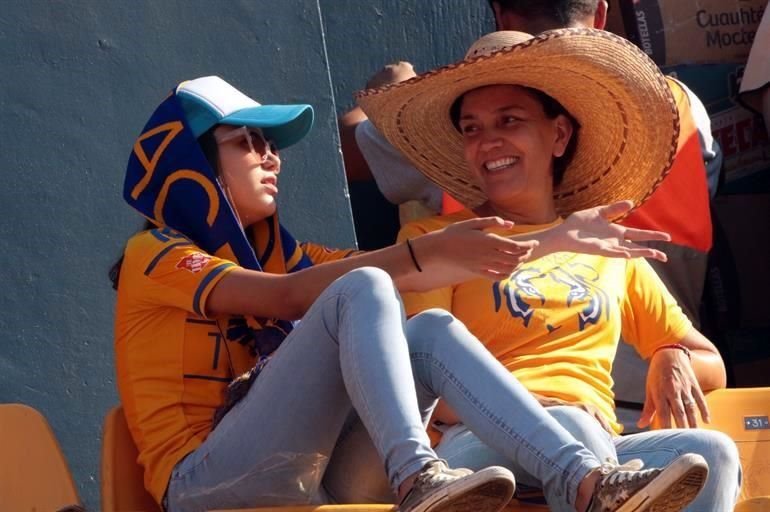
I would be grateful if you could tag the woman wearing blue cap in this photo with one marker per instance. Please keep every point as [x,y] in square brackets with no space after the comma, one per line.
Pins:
[214,289]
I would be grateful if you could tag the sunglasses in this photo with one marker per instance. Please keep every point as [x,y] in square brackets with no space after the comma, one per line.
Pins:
[252,139]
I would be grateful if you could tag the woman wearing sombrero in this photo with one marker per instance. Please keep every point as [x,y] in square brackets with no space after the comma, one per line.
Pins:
[532,130]
[211,290]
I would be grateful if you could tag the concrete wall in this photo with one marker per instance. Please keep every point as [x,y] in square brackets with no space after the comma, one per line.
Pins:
[363,36]
[79,80]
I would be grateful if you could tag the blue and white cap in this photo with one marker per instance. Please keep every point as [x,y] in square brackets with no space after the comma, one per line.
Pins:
[209,100]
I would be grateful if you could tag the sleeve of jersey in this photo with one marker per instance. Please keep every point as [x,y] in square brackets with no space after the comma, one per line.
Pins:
[179,274]
[320,254]
[651,316]
[417,302]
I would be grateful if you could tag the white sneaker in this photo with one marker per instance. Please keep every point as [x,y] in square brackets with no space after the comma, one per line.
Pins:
[440,489]
[628,488]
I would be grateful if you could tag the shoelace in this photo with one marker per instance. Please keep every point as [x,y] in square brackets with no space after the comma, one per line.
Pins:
[630,472]
[437,472]
[434,474]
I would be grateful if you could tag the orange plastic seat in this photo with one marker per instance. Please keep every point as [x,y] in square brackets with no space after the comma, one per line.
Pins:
[122,478]
[754,505]
[744,415]
[33,473]
[122,481]
[739,413]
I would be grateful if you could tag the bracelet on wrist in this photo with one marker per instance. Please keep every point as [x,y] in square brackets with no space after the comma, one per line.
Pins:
[676,346]
[411,253]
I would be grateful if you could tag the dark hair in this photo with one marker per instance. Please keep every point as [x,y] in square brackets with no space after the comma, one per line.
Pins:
[208,145]
[552,109]
[558,13]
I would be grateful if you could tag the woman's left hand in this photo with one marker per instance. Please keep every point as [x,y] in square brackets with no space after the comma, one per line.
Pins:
[672,390]
[592,232]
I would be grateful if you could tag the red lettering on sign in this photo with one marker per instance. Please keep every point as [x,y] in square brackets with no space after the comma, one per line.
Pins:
[741,136]
[743,131]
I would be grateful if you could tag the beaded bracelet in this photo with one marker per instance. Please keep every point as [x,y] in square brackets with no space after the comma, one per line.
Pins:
[677,346]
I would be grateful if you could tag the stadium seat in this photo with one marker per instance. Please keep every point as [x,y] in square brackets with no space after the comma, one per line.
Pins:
[33,473]
[122,482]
[754,505]
[744,415]
[740,413]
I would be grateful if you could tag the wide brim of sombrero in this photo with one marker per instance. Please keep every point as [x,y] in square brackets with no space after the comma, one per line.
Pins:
[627,113]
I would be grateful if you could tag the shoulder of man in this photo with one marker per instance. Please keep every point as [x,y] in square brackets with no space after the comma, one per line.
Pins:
[691,105]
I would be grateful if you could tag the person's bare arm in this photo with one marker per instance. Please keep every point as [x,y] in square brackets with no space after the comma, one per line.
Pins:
[676,383]
[591,231]
[451,255]
[356,168]
[707,362]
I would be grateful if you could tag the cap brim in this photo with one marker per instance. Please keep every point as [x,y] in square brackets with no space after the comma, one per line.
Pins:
[283,124]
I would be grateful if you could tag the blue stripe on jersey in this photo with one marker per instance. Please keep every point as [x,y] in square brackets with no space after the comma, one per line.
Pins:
[165,234]
[204,283]
[156,234]
[162,253]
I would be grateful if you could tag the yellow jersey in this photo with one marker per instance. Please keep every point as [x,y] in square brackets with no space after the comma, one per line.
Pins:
[556,321]
[173,363]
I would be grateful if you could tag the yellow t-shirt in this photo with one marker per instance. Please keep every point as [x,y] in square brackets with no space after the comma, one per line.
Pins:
[556,321]
[173,363]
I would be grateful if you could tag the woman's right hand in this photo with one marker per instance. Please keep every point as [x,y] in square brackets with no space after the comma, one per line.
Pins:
[464,250]
[592,231]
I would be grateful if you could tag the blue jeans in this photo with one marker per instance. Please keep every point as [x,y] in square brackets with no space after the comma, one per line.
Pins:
[656,448]
[346,369]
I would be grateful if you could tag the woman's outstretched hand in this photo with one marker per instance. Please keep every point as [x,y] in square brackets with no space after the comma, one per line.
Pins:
[464,250]
[592,231]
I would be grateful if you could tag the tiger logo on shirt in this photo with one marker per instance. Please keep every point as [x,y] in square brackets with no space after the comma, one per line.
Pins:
[570,284]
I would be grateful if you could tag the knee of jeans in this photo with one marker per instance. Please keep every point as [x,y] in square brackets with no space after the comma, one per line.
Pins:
[461,448]
[717,448]
[426,327]
[366,280]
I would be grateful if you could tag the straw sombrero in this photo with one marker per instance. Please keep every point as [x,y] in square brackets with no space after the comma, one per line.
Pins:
[628,116]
